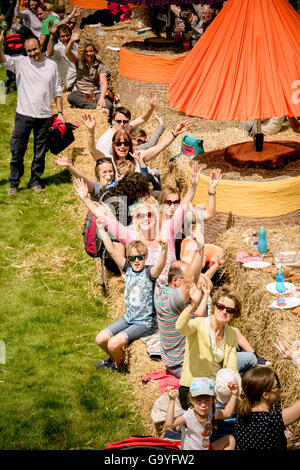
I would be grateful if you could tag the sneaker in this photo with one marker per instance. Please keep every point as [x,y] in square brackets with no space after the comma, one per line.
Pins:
[37,189]
[12,191]
[105,364]
[261,361]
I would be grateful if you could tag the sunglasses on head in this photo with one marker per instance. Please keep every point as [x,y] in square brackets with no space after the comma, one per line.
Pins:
[134,257]
[229,310]
[140,141]
[120,121]
[142,215]
[126,143]
[169,203]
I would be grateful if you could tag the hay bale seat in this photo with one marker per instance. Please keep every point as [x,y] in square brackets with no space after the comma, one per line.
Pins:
[143,68]
[261,325]
[137,360]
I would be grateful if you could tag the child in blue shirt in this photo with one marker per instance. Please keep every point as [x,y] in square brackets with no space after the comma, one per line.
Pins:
[139,319]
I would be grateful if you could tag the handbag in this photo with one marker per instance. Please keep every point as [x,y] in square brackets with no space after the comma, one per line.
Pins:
[60,135]
[190,146]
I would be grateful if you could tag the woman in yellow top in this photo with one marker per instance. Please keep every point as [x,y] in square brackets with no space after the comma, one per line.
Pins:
[210,341]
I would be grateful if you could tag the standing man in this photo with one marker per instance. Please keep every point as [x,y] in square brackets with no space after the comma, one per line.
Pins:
[45,15]
[37,84]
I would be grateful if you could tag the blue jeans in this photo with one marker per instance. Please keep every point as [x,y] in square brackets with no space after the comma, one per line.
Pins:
[245,361]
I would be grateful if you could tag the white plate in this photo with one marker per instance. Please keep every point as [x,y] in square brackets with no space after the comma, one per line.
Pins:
[257,264]
[290,302]
[272,288]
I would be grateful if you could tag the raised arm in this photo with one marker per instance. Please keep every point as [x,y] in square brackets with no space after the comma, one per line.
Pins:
[156,135]
[149,154]
[194,180]
[170,419]
[68,50]
[194,269]
[63,162]
[228,411]
[90,123]
[214,178]
[96,209]
[50,45]
[118,258]
[157,269]
[18,13]
[147,114]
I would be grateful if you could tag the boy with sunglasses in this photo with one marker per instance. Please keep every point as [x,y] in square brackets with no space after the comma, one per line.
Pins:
[139,319]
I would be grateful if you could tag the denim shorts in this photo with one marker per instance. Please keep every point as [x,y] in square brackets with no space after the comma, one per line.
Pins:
[131,332]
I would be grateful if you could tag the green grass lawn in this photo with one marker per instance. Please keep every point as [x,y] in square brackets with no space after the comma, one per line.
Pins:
[51,310]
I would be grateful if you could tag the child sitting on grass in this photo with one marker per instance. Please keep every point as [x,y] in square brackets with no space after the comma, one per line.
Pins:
[139,319]
[197,422]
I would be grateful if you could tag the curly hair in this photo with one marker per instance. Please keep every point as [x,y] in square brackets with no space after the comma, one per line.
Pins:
[133,186]
[227,291]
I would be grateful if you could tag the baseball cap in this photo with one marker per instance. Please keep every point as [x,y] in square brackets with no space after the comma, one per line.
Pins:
[202,386]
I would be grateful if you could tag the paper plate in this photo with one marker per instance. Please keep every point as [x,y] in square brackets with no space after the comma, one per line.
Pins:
[272,288]
[257,264]
[290,302]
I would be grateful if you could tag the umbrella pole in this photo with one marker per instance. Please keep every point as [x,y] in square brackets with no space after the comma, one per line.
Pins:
[258,137]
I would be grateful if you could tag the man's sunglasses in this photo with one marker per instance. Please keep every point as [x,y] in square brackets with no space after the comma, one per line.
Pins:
[229,310]
[142,215]
[134,257]
[170,203]
[120,121]
[140,141]
[126,143]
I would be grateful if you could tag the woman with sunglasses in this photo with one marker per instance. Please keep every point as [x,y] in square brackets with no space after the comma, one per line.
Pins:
[210,342]
[122,147]
[257,428]
[146,225]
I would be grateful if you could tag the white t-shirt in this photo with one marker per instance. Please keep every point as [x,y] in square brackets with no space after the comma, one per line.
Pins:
[37,85]
[66,68]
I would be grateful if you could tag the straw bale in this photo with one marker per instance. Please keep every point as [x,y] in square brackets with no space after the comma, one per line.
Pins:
[261,325]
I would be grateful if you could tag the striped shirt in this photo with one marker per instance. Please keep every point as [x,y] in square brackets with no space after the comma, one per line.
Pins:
[169,305]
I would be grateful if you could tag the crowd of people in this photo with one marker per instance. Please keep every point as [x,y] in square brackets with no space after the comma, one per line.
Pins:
[174,286]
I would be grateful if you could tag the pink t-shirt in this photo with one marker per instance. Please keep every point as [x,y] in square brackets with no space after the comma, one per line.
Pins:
[168,232]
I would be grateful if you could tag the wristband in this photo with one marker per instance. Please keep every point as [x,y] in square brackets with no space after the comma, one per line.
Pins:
[60,112]
[211,194]
[173,134]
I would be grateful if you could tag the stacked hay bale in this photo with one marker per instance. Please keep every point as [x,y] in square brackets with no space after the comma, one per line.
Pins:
[261,325]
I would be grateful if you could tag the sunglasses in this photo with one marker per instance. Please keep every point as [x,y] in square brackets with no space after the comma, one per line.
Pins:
[126,143]
[140,141]
[229,310]
[172,203]
[120,121]
[149,215]
[278,385]
[134,257]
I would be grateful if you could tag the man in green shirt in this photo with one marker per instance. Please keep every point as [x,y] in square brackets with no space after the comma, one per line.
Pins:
[45,16]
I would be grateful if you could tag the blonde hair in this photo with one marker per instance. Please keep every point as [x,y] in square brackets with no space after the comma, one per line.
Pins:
[146,202]
[125,166]
[137,245]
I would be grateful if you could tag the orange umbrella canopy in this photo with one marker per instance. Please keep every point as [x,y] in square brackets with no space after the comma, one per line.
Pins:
[245,66]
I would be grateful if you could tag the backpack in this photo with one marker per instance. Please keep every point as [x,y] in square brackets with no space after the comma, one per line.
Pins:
[144,442]
[93,245]
[190,146]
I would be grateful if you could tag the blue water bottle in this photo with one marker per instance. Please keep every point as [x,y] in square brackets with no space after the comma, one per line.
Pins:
[262,242]
[280,281]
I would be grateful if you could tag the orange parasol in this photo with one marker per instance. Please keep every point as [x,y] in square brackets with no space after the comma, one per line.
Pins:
[245,66]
